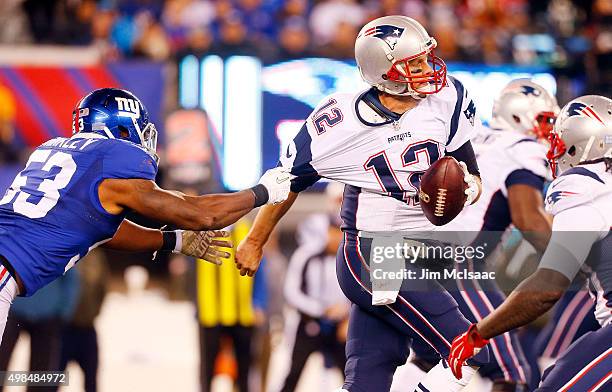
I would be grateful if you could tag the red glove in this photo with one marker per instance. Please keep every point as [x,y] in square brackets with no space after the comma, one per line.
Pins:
[464,347]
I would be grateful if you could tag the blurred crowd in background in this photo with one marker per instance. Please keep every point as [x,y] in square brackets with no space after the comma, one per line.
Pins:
[555,32]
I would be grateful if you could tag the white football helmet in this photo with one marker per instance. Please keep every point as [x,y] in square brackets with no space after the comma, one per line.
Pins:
[383,49]
[582,132]
[526,107]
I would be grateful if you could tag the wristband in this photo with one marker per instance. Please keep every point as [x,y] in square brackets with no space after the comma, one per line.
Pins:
[172,241]
[261,195]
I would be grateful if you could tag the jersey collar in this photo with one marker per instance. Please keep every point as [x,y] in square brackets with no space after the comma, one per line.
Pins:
[371,99]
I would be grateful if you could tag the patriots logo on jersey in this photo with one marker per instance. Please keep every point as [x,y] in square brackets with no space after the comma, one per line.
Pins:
[529,90]
[556,196]
[470,112]
[581,109]
[388,33]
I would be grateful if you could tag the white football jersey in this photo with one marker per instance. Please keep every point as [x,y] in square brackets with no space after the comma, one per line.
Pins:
[505,157]
[589,186]
[379,155]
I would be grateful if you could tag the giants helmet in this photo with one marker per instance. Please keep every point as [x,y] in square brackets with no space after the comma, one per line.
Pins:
[116,114]
[383,49]
[526,107]
[582,132]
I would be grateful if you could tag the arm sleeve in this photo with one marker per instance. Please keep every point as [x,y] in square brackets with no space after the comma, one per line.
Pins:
[575,230]
[294,283]
[125,160]
[466,154]
[529,154]
[298,157]
[464,119]
[525,177]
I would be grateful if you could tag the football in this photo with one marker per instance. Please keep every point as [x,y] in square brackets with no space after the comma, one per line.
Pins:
[442,192]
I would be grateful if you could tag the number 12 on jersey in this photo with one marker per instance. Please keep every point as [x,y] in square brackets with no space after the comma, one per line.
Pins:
[387,178]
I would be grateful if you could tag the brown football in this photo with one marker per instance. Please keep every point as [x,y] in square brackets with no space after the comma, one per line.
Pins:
[442,194]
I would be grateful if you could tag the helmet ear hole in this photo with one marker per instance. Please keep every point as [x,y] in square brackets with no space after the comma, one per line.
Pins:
[124,133]
[516,119]
[571,151]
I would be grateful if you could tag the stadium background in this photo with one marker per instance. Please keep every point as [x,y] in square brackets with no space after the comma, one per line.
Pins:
[227,83]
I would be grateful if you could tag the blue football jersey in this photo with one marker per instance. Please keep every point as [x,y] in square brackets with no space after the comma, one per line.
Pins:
[51,216]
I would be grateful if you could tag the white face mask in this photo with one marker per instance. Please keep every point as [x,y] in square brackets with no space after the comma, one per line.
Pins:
[148,139]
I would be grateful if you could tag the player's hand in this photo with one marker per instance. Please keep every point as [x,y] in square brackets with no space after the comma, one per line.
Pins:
[464,347]
[248,257]
[206,245]
[277,181]
[473,188]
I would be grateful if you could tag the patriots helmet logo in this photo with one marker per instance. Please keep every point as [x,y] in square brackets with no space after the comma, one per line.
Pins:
[388,33]
[556,196]
[581,109]
[529,90]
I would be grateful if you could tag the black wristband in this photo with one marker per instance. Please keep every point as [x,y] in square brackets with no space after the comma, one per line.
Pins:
[169,241]
[261,195]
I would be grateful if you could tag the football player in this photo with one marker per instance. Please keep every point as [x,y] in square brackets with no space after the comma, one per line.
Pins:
[580,200]
[378,143]
[74,194]
[512,157]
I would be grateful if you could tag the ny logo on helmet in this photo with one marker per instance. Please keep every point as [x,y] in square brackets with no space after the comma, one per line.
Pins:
[581,109]
[128,107]
[529,90]
[389,34]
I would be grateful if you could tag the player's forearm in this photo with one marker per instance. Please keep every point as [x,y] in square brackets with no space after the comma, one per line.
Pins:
[537,231]
[219,211]
[229,218]
[518,309]
[267,219]
[148,240]
[531,299]
[528,215]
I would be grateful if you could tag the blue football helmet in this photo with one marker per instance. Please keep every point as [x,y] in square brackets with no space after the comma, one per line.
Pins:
[116,114]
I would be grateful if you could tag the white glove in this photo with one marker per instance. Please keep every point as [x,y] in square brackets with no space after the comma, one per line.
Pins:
[204,244]
[277,182]
[473,189]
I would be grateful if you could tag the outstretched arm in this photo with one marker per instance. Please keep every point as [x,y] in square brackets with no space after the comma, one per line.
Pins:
[531,299]
[149,240]
[205,212]
[250,250]
[200,244]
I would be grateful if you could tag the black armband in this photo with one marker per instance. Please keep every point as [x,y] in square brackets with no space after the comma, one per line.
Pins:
[169,238]
[466,154]
[261,195]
